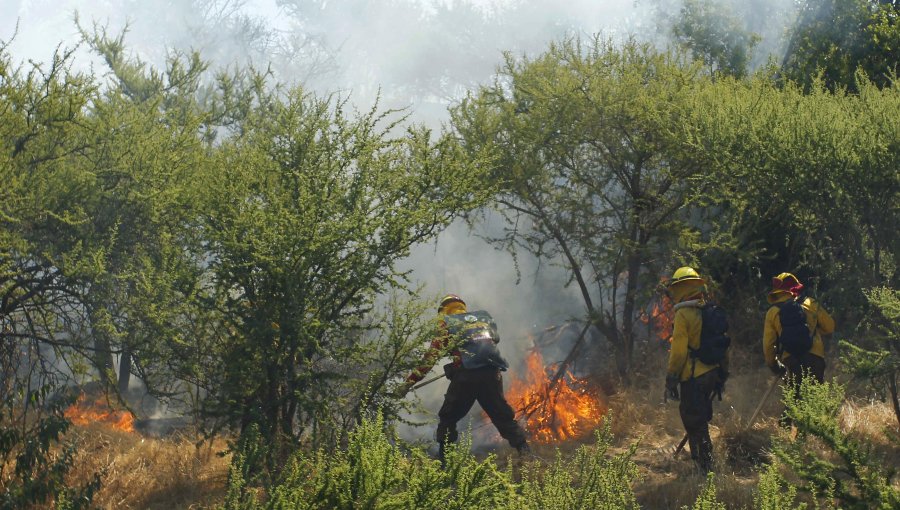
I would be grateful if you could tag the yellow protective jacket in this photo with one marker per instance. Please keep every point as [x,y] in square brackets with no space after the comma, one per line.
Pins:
[686,334]
[817,319]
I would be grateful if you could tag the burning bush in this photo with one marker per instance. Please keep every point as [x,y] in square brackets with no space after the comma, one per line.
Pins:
[83,413]
[556,407]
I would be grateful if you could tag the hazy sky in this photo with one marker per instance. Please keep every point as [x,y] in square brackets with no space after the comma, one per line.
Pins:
[419,53]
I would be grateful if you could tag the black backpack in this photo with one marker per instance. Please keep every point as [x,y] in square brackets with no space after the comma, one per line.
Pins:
[795,336]
[714,340]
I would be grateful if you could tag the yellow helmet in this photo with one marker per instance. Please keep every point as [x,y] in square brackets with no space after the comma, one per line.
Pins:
[448,300]
[685,283]
[685,273]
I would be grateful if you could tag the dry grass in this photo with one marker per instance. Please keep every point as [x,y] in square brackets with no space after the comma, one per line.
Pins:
[143,472]
[152,473]
[669,481]
[740,449]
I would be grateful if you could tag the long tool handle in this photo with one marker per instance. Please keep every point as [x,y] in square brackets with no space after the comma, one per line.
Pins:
[762,402]
[428,381]
[680,446]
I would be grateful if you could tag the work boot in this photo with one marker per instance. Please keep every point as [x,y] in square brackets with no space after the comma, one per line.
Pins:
[525,453]
[523,449]
[704,467]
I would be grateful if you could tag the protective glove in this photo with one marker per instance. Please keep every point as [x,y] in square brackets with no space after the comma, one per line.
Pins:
[449,371]
[778,369]
[723,375]
[672,387]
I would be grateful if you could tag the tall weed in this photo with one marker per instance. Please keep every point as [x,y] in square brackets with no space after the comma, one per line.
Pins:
[375,472]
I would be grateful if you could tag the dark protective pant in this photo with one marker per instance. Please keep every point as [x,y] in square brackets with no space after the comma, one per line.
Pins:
[804,365]
[486,386]
[696,413]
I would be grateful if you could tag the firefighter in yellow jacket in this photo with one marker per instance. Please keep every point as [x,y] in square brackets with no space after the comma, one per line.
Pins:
[696,380]
[792,335]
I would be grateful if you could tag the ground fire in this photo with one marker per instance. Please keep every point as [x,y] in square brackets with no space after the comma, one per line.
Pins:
[83,413]
[569,409]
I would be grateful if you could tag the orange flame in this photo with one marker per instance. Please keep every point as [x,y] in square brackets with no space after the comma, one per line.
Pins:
[660,318]
[81,413]
[565,411]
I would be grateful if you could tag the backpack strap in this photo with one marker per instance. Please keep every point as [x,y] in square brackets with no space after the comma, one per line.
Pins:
[693,303]
[699,304]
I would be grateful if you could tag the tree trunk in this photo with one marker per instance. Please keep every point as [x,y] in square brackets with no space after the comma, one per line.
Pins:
[895,395]
[102,359]
[634,268]
[124,371]
[102,356]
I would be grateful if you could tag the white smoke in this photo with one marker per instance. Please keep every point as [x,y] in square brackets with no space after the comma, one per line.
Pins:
[416,54]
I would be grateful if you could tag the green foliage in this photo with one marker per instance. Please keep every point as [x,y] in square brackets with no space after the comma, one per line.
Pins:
[809,186]
[880,362]
[715,36]
[594,169]
[42,125]
[226,239]
[96,250]
[707,499]
[846,468]
[589,479]
[243,476]
[834,38]
[43,128]
[304,218]
[373,471]
[146,157]
[34,459]
[774,493]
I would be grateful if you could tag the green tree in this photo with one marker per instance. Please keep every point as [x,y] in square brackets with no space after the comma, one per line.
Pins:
[147,146]
[715,36]
[43,119]
[42,124]
[595,169]
[98,242]
[306,214]
[850,471]
[879,360]
[835,38]
[810,184]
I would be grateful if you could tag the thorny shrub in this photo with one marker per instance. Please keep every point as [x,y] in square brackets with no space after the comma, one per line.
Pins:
[830,463]
[375,472]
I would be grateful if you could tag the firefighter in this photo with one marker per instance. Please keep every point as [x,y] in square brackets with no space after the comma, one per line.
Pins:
[474,373]
[689,378]
[792,335]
